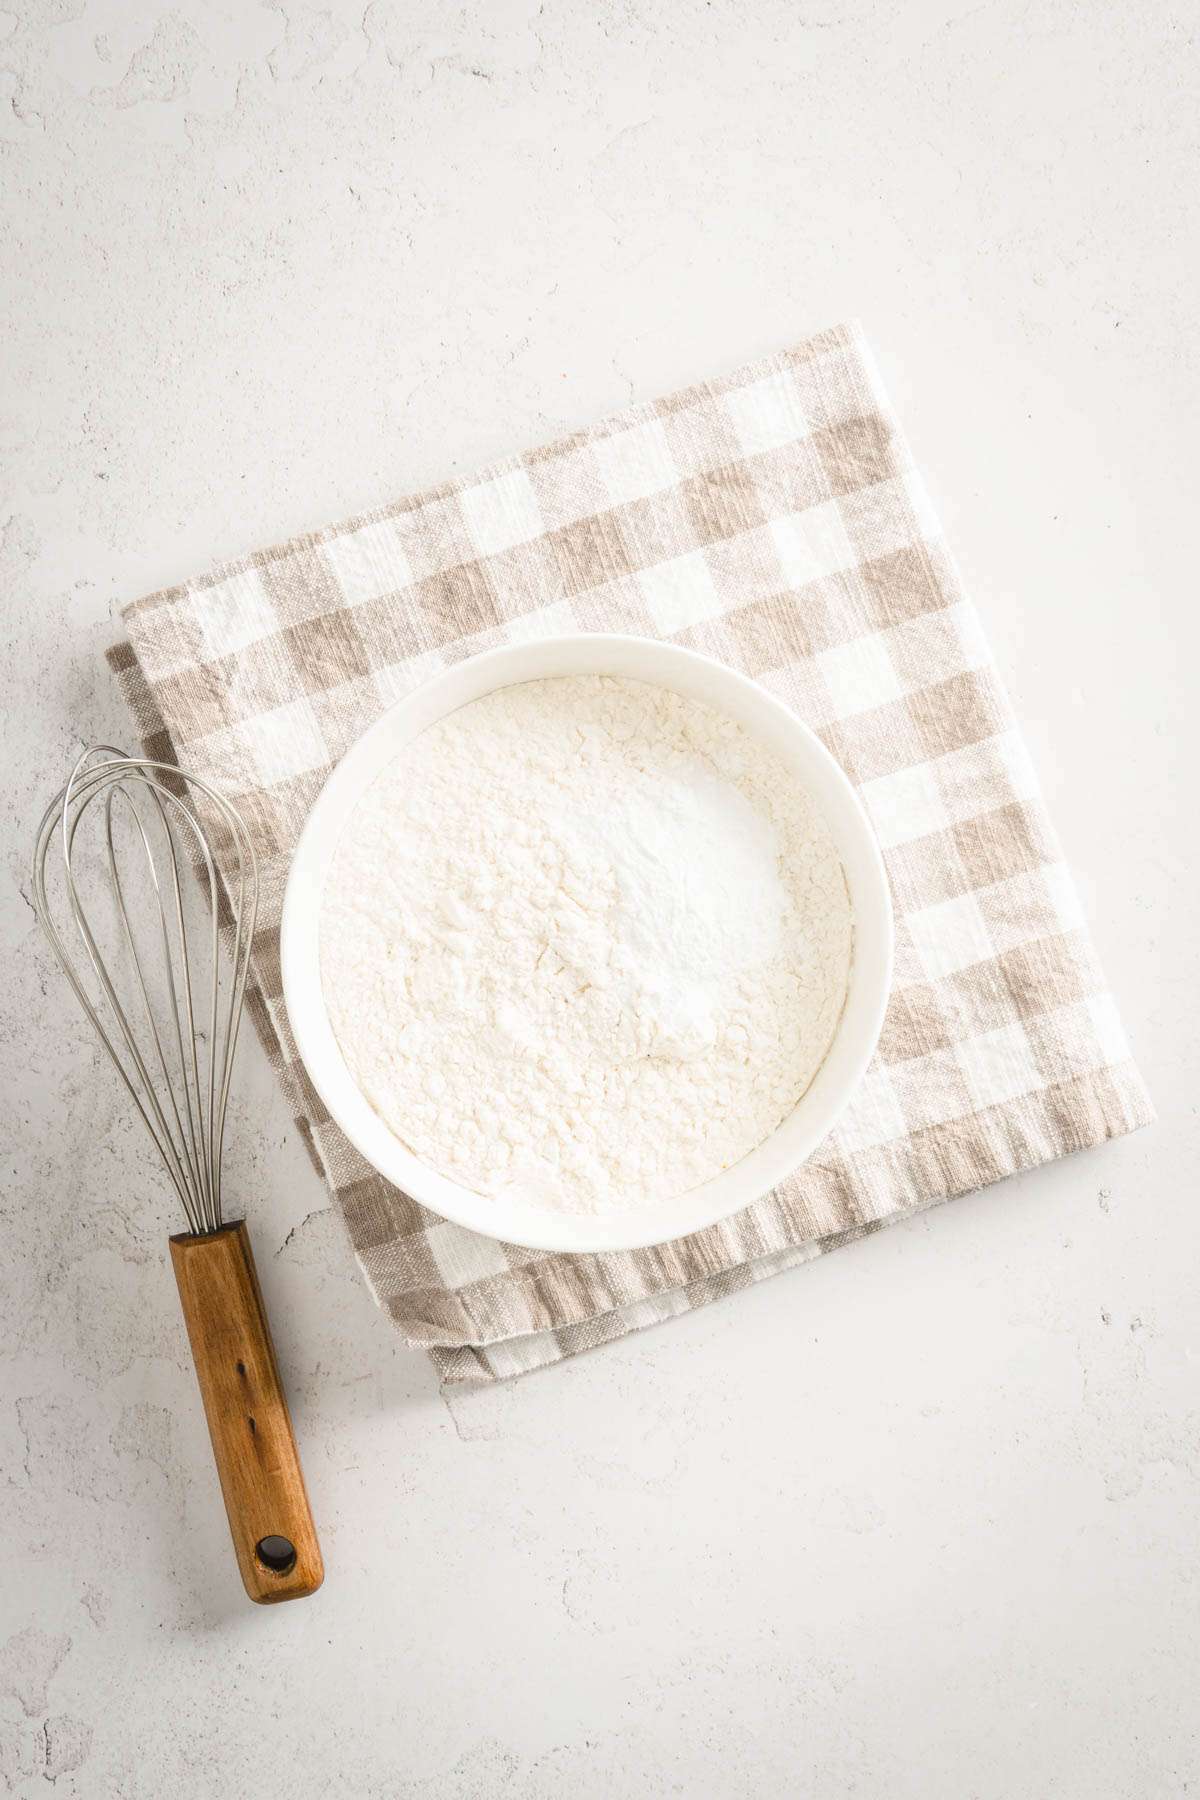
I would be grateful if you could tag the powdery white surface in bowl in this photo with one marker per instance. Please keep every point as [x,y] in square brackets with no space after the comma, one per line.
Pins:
[586,941]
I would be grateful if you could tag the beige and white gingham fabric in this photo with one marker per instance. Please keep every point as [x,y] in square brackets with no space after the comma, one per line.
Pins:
[773,519]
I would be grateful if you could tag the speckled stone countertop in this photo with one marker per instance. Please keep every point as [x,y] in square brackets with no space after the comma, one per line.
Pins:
[269,265]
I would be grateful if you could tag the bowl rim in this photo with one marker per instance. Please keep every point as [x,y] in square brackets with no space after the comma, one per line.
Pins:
[794,1140]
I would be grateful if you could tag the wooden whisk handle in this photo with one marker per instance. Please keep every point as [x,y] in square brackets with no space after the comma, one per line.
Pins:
[248,1420]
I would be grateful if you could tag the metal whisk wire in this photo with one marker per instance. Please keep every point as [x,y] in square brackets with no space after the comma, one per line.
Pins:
[186,1119]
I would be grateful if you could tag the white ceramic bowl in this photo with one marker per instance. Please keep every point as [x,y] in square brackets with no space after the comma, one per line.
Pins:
[663,665]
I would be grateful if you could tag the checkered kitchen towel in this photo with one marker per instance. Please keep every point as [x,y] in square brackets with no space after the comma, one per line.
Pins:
[771,518]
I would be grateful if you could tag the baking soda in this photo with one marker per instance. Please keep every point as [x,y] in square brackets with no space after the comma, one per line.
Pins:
[585,940]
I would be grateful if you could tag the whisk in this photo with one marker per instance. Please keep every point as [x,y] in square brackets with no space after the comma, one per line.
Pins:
[171,1039]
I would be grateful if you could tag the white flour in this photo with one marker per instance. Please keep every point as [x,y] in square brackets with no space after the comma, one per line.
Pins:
[586,939]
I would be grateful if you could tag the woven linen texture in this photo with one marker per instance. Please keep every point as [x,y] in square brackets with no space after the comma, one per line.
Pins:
[773,519]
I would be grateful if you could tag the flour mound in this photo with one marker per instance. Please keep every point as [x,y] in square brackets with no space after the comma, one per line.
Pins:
[587,941]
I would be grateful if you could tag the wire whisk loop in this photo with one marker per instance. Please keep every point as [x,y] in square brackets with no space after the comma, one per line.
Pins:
[169,1016]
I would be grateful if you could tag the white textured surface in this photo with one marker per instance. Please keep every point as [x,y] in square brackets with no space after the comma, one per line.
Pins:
[921,1520]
